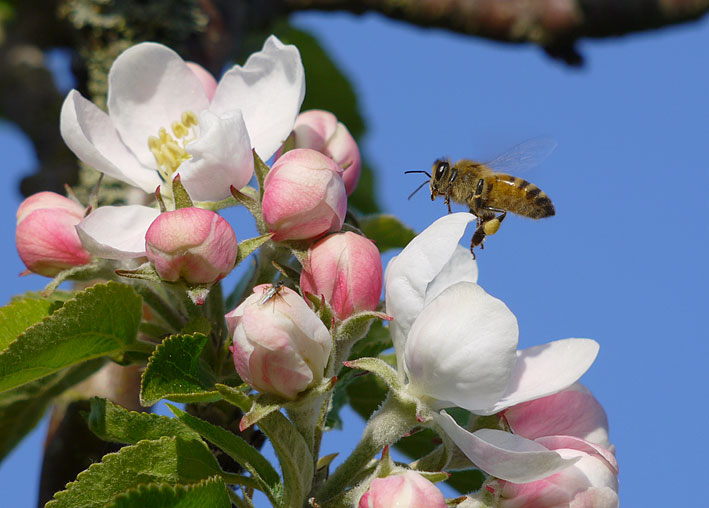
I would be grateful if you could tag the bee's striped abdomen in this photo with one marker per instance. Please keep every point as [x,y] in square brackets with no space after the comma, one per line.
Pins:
[519,196]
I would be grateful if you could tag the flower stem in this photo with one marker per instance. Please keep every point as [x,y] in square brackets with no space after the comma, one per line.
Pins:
[387,425]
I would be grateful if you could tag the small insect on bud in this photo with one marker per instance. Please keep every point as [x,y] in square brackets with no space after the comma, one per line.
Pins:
[46,238]
[346,269]
[280,345]
[192,244]
[304,196]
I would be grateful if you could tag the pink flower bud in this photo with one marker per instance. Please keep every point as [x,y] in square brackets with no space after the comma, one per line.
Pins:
[320,130]
[408,489]
[46,238]
[205,77]
[280,345]
[572,423]
[346,269]
[194,244]
[304,196]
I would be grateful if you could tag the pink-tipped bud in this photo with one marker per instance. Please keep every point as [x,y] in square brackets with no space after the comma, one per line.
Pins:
[320,130]
[346,269]
[205,77]
[304,196]
[408,489]
[192,244]
[46,237]
[280,345]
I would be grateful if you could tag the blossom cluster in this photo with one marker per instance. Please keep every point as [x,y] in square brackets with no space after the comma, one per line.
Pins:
[195,143]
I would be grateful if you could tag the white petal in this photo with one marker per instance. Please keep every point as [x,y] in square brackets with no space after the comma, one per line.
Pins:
[90,134]
[461,349]
[269,90]
[409,274]
[150,86]
[221,157]
[460,268]
[502,454]
[546,369]
[116,232]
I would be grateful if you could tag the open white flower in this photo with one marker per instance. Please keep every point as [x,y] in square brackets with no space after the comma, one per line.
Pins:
[457,346]
[161,122]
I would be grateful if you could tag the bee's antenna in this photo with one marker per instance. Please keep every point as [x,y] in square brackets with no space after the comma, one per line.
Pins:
[417,171]
[417,188]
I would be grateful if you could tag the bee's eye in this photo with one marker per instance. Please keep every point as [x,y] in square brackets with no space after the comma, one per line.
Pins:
[441,170]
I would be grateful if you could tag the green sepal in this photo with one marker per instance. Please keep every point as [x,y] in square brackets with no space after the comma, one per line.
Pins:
[386,231]
[238,449]
[182,197]
[100,321]
[378,367]
[261,170]
[211,493]
[263,405]
[114,423]
[171,460]
[248,246]
[175,372]
[357,326]
[146,271]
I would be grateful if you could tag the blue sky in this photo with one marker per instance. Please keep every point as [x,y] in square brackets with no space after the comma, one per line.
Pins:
[624,259]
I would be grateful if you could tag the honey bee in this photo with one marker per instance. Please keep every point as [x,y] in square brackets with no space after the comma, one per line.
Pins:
[489,193]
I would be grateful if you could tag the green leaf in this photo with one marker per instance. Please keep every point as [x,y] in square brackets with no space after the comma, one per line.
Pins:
[211,493]
[290,447]
[100,321]
[113,423]
[239,450]
[172,460]
[19,315]
[175,372]
[466,481]
[23,407]
[386,231]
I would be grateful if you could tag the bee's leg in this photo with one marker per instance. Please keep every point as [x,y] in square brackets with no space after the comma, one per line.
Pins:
[454,175]
[477,198]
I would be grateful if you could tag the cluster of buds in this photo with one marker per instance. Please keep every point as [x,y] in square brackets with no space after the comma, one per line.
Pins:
[456,345]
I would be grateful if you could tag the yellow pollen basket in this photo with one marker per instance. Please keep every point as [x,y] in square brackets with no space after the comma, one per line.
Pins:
[169,151]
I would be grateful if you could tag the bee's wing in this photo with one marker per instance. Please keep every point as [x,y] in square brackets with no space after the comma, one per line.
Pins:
[526,155]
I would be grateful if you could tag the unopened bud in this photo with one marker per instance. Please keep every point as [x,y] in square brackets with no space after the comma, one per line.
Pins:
[346,269]
[192,244]
[304,196]
[46,238]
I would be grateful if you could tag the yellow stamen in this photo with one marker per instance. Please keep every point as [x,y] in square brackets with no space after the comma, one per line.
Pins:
[169,153]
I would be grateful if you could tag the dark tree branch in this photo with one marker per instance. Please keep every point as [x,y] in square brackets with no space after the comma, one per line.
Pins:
[552,24]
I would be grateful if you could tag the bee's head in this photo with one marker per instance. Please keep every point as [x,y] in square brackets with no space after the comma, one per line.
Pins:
[439,177]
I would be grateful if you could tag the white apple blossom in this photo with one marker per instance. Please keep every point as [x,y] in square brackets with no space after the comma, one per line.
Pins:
[162,121]
[457,346]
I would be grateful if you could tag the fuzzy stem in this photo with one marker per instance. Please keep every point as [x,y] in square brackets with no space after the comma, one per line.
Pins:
[387,425]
